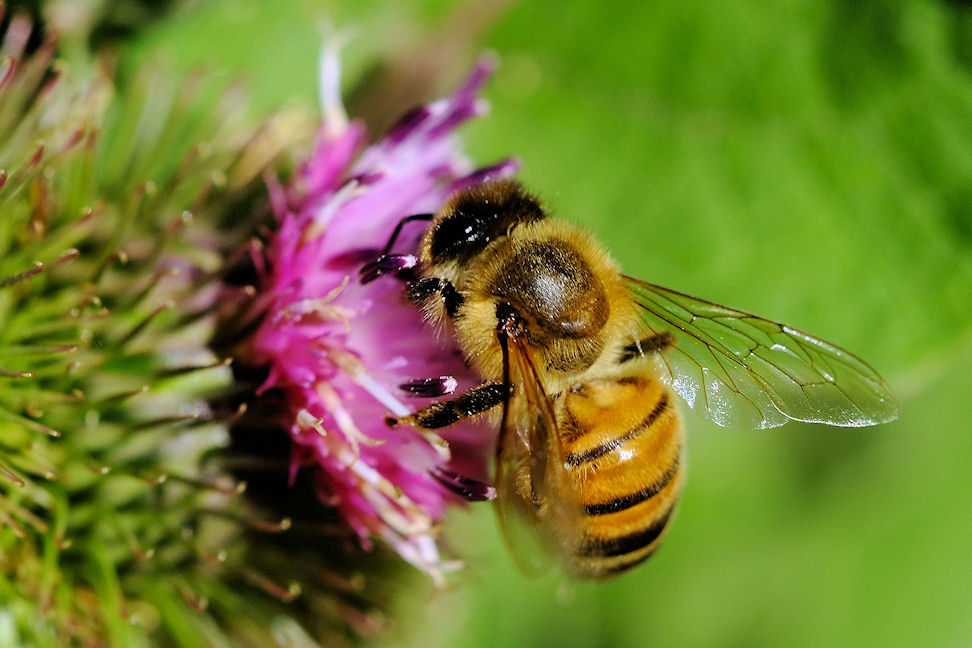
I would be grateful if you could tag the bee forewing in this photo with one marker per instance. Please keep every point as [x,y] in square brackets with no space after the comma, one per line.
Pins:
[742,370]
[518,518]
[538,510]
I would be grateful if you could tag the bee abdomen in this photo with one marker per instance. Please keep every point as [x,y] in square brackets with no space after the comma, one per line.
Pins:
[628,500]
[597,557]
[607,443]
[611,547]
[622,448]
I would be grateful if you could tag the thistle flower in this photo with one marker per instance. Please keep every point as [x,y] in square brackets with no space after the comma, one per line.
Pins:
[146,495]
[342,355]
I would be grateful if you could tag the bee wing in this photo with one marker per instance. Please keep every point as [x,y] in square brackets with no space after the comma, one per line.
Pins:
[741,370]
[537,513]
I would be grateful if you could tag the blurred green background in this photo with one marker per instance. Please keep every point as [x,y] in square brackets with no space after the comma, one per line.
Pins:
[810,161]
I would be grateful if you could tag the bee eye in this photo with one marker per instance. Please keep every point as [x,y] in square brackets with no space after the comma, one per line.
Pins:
[459,236]
[479,215]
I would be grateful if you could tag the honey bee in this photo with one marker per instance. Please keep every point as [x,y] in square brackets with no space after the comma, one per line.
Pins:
[580,363]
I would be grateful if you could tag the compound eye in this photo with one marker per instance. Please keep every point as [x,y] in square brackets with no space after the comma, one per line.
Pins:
[459,236]
[476,216]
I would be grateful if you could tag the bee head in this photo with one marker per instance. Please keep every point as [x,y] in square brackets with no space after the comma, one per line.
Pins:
[474,217]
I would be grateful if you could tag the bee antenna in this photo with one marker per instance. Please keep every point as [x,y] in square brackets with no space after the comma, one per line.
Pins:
[387,264]
[398,229]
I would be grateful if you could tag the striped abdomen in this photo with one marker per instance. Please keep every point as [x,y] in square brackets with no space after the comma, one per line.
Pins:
[622,444]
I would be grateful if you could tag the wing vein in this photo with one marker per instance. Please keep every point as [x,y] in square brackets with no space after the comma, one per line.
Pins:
[737,368]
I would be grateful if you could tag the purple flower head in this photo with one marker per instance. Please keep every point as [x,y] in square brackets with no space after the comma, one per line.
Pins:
[346,354]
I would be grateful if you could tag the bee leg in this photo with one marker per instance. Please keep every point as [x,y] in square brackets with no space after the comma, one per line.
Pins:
[422,290]
[388,263]
[471,489]
[469,403]
[646,346]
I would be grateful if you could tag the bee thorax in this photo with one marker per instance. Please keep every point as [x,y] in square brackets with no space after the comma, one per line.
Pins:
[550,284]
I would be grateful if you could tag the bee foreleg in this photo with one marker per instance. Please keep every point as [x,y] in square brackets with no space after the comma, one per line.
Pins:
[469,403]
[422,290]
[645,346]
